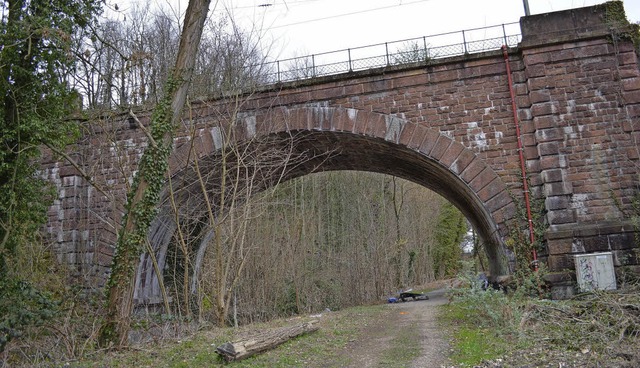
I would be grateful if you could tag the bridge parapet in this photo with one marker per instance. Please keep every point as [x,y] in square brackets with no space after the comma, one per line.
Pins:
[606,19]
[420,50]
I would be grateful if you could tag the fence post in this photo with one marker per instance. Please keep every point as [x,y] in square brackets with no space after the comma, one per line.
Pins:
[278,67]
[504,34]
[313,66]
[386,49]
[464,43]
[350,67]
[426,49]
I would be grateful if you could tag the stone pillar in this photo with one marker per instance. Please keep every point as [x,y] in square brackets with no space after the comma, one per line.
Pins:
[583,91]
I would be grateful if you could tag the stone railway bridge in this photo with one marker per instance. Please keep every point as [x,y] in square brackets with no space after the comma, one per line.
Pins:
[447,125]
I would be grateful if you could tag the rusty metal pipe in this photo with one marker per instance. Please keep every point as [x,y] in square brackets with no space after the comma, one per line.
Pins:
[525,185]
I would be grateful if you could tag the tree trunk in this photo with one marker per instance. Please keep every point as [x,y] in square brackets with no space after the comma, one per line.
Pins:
[241,349]
[143,198]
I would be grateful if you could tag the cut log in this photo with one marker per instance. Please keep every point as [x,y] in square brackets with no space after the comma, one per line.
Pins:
[267,340]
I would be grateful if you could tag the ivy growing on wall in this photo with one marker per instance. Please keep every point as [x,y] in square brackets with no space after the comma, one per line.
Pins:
[35,39]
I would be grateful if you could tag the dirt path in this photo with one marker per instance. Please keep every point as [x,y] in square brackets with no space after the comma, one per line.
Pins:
[409,320]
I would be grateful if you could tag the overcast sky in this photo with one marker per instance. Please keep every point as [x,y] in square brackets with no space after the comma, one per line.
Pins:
[313,26]
[302,27]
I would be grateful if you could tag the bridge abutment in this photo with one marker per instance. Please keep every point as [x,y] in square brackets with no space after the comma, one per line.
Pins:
[583,102]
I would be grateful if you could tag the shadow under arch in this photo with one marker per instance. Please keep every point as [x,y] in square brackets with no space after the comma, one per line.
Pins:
[331,138]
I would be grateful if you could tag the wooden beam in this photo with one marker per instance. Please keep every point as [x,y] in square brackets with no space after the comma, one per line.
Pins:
[241,349]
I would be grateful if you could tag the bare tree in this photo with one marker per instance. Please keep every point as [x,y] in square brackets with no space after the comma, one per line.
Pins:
[142,200]
[230,61]
[213,201]
[328,241]
[413,52]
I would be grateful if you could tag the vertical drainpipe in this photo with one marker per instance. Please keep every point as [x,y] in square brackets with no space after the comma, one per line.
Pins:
[525,185]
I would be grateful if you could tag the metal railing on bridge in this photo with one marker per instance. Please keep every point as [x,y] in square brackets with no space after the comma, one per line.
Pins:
[421,49]
[246,76]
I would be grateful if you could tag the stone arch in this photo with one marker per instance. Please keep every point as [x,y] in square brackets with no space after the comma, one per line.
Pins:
[362,140]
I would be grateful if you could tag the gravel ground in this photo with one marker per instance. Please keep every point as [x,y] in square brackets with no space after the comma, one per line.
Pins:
[366,351]
[435,347]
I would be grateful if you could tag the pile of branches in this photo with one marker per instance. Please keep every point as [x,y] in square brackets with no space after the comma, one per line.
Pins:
[606,324]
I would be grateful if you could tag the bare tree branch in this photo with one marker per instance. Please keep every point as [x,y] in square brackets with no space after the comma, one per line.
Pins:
[83,173]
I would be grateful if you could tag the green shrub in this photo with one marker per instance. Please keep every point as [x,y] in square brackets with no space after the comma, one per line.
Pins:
[21,306]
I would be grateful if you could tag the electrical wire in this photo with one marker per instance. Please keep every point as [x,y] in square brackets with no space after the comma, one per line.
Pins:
[351,13]
[286,3]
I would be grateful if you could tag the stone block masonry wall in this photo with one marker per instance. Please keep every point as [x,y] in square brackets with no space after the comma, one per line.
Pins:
[583,108]
[465,100]
[578,114]
[83,221]
[446,125]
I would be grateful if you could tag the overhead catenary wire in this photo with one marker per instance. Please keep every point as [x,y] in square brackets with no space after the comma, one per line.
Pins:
[351,13]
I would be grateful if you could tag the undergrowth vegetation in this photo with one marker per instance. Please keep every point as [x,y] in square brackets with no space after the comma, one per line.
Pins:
[595,329]
[196,348]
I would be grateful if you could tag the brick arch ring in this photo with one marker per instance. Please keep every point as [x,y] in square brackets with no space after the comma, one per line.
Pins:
[361,140]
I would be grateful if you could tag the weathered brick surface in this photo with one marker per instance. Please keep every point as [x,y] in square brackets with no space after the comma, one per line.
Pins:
[451,154]
[448,124]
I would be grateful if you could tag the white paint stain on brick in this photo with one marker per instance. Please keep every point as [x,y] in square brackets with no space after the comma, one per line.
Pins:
[57,204]
[578,201]
[321,113]
[89,194]
[480,141]
[352,114]
[216,136]
[71,181]
[250,125]
[394,128]
[477,138]
[54,175]
[577,246]
[562,161]
[447,133]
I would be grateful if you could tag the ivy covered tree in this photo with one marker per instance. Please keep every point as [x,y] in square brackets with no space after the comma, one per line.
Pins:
[143,197]
[35,41]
